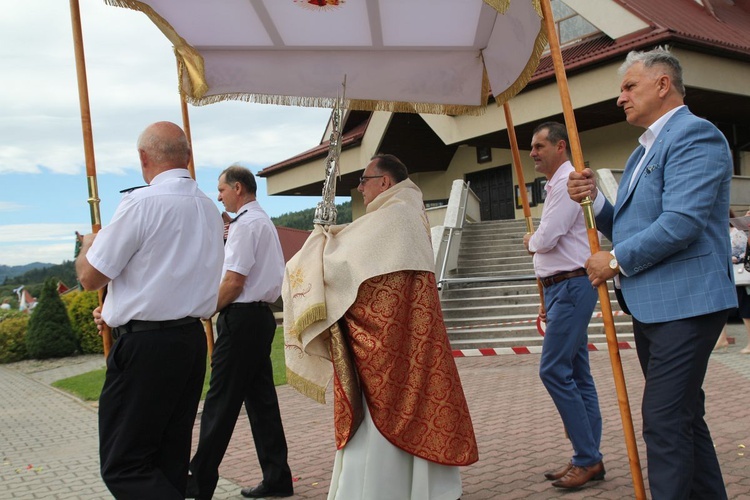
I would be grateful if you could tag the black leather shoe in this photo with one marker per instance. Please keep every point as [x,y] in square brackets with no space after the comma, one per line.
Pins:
[263,491]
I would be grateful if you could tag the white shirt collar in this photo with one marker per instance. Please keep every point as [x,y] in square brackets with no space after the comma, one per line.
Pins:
[172,173]
[648,137]
[562,172]
[248,206]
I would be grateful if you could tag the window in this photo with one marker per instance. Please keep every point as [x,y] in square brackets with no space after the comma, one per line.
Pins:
[570,26]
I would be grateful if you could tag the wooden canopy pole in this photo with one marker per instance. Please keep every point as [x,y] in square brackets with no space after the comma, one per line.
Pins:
[207,324]
[88,145]
[186,127]
[518,167]
[521,182]
[588,215]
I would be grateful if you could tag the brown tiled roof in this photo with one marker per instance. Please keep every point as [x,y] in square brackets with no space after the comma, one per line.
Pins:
[722,27]
[721,23]
[291,240]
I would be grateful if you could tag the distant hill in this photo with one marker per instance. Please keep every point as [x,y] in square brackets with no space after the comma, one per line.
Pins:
[36,276]
[303,219]
[13,271]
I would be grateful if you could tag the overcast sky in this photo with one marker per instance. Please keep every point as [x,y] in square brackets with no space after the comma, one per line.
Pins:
[132,82]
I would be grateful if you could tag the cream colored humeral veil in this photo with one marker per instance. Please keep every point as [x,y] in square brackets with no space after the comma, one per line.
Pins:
[321,281]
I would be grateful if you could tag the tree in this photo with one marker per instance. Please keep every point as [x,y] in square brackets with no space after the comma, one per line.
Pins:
[303,219]
[80,305]
[50,334]
[12,331]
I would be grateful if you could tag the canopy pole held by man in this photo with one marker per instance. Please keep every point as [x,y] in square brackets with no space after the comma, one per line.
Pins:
[207,324]
[88,145]
[588,212]
[521,182]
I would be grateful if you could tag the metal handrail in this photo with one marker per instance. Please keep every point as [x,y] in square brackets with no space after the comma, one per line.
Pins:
[463,205]
[462,219]
[441,280]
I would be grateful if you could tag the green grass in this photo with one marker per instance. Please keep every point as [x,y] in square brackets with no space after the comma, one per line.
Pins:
[277,358]
[88,386]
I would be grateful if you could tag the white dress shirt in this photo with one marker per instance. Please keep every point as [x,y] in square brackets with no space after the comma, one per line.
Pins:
[163,251]
[253,250]
[648,138]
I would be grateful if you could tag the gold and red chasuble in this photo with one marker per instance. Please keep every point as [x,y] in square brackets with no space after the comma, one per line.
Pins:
[400,351]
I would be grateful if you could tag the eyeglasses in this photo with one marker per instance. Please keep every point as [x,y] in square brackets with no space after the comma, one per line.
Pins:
[364,178]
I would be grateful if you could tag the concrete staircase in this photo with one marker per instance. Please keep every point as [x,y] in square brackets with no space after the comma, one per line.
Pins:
[483,313]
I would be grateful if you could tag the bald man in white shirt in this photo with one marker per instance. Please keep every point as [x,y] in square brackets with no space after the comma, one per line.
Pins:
[160,258]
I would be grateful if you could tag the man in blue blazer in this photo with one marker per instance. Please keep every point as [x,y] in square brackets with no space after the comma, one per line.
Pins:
[671,262]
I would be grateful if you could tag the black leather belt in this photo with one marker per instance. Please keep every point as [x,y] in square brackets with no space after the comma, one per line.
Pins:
[246,305]
[136,325]
[557,278]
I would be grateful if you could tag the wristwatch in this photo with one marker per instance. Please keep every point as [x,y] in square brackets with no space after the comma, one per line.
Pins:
[613,264]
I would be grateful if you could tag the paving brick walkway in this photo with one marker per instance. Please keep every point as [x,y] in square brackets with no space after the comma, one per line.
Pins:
[48,440]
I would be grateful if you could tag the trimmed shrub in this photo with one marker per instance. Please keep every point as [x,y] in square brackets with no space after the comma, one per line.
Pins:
[80,305]
[49,334]
[13,326]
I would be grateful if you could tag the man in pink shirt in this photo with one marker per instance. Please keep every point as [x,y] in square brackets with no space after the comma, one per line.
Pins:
[560,247]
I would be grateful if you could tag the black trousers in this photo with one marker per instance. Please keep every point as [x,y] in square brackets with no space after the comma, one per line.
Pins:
[241,371]
[674,356]
[147,410]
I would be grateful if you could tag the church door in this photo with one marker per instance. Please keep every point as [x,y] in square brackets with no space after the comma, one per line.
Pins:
[494,187]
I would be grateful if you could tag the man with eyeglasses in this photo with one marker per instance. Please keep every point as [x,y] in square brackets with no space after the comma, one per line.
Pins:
[370,190]
[400,415]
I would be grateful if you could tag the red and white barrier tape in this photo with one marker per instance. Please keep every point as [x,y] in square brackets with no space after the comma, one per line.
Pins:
[535,349]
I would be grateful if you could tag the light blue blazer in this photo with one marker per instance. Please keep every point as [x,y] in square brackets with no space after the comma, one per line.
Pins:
[670,231]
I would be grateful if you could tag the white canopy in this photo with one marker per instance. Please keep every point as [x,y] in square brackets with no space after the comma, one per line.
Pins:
[437,56]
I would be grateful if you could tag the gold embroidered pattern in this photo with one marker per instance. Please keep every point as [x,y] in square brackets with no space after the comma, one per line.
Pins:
[406,369]
[296,278]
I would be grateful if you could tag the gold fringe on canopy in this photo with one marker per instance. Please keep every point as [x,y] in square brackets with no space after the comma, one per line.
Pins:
[499,5]
[538,7]
[539,45]
[188,59]
[351,104]
[193,86]
[502,5]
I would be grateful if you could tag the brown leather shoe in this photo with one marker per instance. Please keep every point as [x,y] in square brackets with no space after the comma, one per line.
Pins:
[556,474]
[578,476]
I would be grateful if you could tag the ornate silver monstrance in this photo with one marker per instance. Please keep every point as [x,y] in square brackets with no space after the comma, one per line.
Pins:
[325,212]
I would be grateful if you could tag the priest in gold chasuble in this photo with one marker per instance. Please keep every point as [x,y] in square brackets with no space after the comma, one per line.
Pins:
[361,307]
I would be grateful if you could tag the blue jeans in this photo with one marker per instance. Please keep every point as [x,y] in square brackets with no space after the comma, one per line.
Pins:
[564,367]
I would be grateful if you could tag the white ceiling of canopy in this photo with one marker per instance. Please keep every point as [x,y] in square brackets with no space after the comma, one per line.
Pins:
[406,55]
